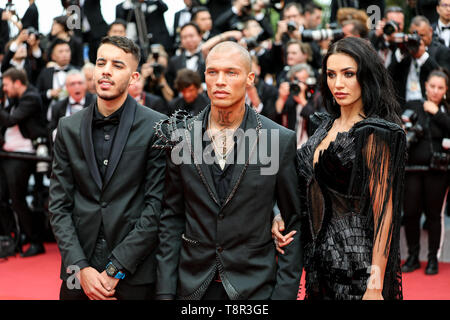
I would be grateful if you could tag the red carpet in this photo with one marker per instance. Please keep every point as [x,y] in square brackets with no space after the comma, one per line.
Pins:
[37,278]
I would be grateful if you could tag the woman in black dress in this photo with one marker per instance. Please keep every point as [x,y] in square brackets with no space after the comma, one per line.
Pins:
[351,174]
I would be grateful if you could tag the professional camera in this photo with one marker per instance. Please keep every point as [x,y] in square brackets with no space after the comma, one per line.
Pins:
[322,34]
[254,42]
[294,87]
[42,151]
[292,26]
[390,27]
[158,69]
[407,42]
[11,7]
[413,129]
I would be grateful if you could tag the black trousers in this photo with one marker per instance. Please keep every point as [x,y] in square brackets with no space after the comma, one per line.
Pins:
[17,173]
[124,291]
[424,193]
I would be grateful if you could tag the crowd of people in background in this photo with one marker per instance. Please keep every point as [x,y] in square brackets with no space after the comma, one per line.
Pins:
[46,77]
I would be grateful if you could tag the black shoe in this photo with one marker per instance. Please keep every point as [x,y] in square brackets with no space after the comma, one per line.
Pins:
[34,249]
[432,266]
[7,247]
[411,264]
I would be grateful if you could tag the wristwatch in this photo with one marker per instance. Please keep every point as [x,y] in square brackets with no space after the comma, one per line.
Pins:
[113,272]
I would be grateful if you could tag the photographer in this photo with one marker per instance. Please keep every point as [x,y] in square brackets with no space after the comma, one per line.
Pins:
[296,101]
[439,52]
[288,27]
[22,124]
[428,123]
[153,73]
[202,18]
[296,53]
[25,53]
[383,37]
[410,67]
[153,22]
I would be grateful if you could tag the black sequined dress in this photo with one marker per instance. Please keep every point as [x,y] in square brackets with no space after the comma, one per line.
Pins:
[351,203]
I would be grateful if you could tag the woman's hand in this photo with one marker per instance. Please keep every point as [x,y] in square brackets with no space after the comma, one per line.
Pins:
[430,107]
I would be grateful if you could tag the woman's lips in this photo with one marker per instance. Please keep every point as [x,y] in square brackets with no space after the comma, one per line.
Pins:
[340,95]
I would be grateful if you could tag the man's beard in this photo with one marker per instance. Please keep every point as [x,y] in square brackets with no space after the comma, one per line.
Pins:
[121,90]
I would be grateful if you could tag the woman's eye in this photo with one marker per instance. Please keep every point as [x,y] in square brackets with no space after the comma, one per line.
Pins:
[349,74]
[330,75]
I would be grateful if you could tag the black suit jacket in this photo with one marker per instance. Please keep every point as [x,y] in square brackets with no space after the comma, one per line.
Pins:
[177,63]
[127,201]
[268,95]
[60,108]
[440,53]
[193,108]
[27,115]
[44,82]
[200,237]
[156,25]
[31,17]
[400,70]
[155,102]
[92,11]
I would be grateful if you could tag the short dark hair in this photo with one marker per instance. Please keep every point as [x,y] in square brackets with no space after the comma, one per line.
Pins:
[359,28]
[393,9]
[193,24]
[185,78]
[16,74]
[125,44]
[196,10]
[297,5]
[377,91]
[118,21]
[310,7]
[54,43]
[62,20]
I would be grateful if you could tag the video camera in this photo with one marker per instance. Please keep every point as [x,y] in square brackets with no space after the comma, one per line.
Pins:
[414,130]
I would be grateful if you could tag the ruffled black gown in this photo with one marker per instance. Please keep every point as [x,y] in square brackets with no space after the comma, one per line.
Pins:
[351,203]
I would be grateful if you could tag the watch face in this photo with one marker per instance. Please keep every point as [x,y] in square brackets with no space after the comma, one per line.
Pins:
[111,270]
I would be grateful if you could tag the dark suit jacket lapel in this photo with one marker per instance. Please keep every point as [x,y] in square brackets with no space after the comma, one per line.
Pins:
[88,146]
[244,145]
[194,135]
[126,121]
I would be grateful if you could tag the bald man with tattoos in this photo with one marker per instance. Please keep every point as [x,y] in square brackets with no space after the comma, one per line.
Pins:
[226,168]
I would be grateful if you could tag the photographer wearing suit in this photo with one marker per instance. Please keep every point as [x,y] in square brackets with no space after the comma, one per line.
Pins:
[104,211]
[428,124]
[22,124]
[215,228]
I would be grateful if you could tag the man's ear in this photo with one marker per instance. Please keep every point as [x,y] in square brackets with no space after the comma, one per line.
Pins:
[134,77]
[250,79]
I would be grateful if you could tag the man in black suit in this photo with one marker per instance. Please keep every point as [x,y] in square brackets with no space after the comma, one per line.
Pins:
[51,80]
[78,98]
[153,11]
[31,16]
[442,26]
[439,52]
[95,28]
[188,83]
[106,186]
[410,69]
[215,228]
[22,124]
[191,57]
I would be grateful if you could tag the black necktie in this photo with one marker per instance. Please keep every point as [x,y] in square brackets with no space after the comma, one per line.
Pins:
[188,56]
[105,121]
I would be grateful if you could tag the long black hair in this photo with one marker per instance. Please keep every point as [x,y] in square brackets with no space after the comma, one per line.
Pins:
[378,95]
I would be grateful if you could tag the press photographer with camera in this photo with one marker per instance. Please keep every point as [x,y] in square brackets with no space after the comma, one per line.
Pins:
[296,100]
[25,53]
[382,37]
[440,53]
[427,123]
[23,125]
[410,67]
[153,73]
